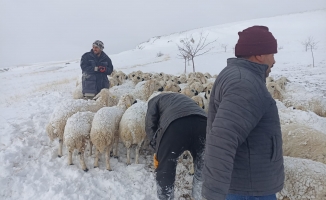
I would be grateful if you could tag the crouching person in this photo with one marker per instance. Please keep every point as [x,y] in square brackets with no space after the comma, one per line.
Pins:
[95,65]
[174,124]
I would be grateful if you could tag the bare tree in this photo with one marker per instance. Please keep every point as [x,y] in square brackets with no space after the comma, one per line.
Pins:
[311,44]
[224,46]
[307,42]
[185,57]
[192,49]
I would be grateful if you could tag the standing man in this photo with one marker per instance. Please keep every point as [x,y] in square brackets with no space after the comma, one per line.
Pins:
[174,124]
[95,65]
[243,156]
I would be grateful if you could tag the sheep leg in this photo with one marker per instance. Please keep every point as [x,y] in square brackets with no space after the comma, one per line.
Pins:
[97,152]
[137,153]
[70,156]
[60,148]
[90,147]
[107,155]
[115,147]
[82,160]
[128,155]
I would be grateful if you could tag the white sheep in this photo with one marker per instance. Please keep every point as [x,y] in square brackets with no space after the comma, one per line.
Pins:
[60,115]
[275,91]
[171,86]
[199,101]
[77,133]
[104,132]
[78,92]
[282,82]
[192,80]
[120,77]
[304,180]
[132,128]
[269,79]
[208,75]
[182,79]
[113,81]
[304,142]
[144,90]
[197,86]
[189,92]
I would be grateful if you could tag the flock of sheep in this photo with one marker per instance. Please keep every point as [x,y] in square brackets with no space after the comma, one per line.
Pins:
[118,114]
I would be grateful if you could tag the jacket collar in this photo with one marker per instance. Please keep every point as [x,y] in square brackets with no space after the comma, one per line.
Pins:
[259,69]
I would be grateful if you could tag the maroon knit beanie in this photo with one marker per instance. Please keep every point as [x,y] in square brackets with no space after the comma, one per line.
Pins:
[255,40]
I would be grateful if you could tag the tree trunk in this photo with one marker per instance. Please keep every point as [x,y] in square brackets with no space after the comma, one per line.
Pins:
[313,59]
[193,64]
[185,65]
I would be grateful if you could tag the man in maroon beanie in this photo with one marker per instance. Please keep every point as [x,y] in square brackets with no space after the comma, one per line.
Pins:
[243,155]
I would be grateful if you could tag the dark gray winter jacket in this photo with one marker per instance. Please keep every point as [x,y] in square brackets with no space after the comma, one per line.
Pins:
[164,109]
[94,81]
[243,152]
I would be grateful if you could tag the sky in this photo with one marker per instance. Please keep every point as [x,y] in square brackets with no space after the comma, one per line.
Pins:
[41,31]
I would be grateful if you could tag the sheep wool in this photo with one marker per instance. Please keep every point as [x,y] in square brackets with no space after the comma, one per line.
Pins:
[77,133]
[304,180]
[105,126]
[304,142]
[132,128]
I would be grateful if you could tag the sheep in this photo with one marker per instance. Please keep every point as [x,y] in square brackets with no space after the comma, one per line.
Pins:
[269,79]
[146,76]
[208,75]
[189,92]
[282,82]
[215,76]
[174,79]
[304,179]
[182,79]
[104,132]
[199,101]
[136,78]
[304,142]
[113,81]
[132,128]
[144,90]
[173,87]
[77,133]
[201,77]
[207,89]
[120,77]
[275,91]
[78,92]
[113,72]
[60,115]
[192,80]
[197,86]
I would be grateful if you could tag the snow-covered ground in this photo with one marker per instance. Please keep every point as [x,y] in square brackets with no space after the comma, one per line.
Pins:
[29,166]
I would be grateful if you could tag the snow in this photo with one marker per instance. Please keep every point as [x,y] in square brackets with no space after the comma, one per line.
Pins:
[29,166]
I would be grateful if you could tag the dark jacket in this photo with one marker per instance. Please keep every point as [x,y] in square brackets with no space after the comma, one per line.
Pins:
[93,81]
[165,108]
[243,152]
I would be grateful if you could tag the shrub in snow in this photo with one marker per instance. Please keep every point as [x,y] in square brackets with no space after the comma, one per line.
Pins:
[304,180]
[132,128]
[77,133]
[304,142]
[104,132]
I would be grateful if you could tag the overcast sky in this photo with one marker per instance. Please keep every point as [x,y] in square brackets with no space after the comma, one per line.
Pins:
[39,31]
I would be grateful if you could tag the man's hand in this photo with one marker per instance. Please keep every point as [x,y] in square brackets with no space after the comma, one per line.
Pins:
[102,69]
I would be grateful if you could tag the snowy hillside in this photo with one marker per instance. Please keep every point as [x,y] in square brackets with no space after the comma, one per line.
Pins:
[29,166]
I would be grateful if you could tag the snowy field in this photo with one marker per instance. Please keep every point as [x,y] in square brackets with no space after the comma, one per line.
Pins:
[29,166]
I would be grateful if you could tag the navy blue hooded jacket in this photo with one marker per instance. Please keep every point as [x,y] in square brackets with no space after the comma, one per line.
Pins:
[94,81]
